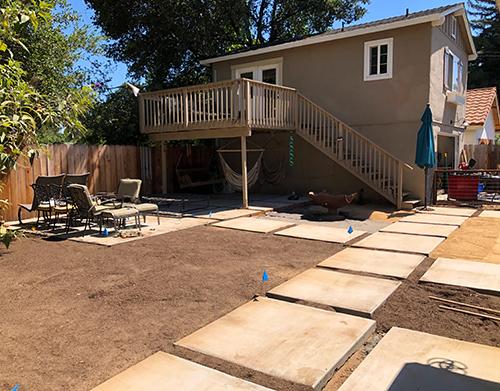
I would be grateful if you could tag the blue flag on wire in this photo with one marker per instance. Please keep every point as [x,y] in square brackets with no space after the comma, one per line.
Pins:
[350,230]
[15,388]
[210,215]
[105,232]
[264,276]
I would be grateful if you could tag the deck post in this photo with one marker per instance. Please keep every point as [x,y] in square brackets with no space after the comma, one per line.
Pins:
[244,174]
[164,167]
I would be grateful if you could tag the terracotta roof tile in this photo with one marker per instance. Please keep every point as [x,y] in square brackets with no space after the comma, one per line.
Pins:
[479,103]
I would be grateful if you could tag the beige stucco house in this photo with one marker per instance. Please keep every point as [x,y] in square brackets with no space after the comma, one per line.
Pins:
[352,99]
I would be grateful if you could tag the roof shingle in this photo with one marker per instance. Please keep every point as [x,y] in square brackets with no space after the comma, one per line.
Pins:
[479,103]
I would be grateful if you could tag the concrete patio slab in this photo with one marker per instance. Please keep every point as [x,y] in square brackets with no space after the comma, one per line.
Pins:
[490,213]
[164,372]
[253,224]
[481,276]
[374,261]
[411,360]
[224,213]
[428,218]
[436,210]
[348,293]
[321,232]
[420,229]
[289,341]
[399,242]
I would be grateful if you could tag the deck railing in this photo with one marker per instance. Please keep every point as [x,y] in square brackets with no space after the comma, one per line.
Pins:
[257,105]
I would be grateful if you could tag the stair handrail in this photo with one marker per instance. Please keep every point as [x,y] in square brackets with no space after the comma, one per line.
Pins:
[405,165]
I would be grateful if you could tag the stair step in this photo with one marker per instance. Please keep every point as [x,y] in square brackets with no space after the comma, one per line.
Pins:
[410,204]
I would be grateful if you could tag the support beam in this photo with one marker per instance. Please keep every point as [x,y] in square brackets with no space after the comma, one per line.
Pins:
[201,134]
[244,173]
[164,189]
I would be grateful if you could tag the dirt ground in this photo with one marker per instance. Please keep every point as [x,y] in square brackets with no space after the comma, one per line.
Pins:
[75,314]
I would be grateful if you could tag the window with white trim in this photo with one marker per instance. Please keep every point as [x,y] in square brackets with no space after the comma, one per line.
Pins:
[453,72]
[378,59]
[453,31]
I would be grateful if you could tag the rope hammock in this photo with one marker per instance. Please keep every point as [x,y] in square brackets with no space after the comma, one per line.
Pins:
[275,176]
[235,179]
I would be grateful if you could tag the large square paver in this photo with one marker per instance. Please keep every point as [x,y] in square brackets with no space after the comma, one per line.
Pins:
[490,214]
[348,293]
[482,276]
[428,218]
[420,229]
[253,224]
[466,212]
[164,372]
[288,341]
[224,213]
[374,261]
[407,360]
[320,232]
[400,242]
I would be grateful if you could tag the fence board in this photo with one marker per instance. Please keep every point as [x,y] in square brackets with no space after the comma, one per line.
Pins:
[486,156]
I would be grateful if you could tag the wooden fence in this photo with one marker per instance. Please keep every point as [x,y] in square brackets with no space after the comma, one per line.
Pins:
[107,164]
[486,156]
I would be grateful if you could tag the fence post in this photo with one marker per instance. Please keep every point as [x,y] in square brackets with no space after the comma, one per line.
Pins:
[248,102]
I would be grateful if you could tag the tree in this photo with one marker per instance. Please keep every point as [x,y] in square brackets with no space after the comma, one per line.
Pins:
[485,71]
[28,104]
[115,120]
[162,41]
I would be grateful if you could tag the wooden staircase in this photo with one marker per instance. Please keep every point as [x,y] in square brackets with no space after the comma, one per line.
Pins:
[236,107]
[362,158]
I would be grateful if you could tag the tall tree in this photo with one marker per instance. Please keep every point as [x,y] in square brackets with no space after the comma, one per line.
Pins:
[485,21]
[162,41]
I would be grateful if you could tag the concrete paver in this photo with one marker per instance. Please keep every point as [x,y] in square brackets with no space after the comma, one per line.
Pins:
[164,372]
[374,261]
[411,360]
[428,218]
[289,341]
[348,293]
[490,213]
[320,232]
[482,276]
[467,212]
[253,224]
[420,229]
[400,242]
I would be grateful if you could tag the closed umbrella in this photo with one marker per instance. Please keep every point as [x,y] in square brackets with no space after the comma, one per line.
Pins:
[426,156]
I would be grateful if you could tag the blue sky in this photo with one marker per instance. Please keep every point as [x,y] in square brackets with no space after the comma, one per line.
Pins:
[378,9]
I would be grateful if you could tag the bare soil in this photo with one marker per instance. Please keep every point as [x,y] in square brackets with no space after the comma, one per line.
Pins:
[73,315]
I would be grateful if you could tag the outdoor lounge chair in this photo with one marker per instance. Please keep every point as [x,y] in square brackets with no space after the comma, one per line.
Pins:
[80,179]
[83,206]
[41,180]
[127,196]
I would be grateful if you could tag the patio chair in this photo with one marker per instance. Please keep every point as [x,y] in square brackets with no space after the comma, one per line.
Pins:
[41,180]
[80,179]
[127,196]
[83,206]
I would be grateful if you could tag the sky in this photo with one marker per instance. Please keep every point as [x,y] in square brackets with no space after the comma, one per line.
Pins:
[378,9]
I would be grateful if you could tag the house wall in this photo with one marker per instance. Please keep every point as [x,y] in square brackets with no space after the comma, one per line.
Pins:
[386,111]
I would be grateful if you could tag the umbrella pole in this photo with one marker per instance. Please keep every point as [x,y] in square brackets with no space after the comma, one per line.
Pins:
[425,188]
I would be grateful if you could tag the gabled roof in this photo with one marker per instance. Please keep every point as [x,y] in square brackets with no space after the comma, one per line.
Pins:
[436,16]
[479,104]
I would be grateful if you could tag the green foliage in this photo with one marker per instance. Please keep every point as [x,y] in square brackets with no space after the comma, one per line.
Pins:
[115,120]
[162,41]
[485,21]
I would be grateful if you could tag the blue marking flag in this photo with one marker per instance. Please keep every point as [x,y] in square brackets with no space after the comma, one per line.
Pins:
[264,276]
[105,232]
[350,230]
[15,388]
[210,215]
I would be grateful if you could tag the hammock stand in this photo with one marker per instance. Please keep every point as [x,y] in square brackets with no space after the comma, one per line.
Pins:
[237,181]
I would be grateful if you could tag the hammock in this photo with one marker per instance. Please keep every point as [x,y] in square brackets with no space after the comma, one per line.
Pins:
[274,176]
[235,179]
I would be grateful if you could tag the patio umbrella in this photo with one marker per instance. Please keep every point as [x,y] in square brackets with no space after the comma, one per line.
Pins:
[425,156]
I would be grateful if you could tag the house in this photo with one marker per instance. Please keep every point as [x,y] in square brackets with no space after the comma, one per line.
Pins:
[482,116]
[351,99]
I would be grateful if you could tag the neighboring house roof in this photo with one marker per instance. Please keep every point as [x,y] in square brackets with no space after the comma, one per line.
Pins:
[479,104]
[436,16]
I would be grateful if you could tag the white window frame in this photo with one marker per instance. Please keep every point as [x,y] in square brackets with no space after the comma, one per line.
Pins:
[453,27]
[257,67]
[449,66]
[390,49]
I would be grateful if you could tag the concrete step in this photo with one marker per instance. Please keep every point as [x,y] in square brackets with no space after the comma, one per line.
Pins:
[411,203]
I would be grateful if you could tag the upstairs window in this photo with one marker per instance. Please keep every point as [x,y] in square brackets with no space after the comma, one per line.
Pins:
[453,28]
[378,59]
[453,72]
